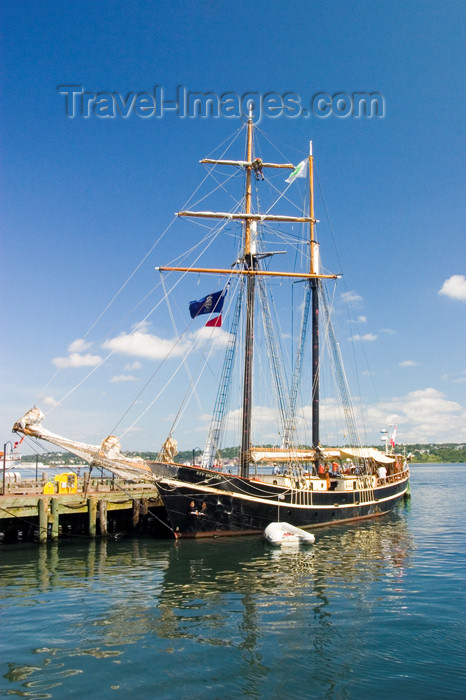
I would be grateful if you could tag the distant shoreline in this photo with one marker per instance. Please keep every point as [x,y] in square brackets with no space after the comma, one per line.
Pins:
[444,453]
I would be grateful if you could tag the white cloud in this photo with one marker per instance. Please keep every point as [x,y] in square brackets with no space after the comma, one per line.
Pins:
[351,297]
[454,287]
[123,378]
[422,416]
[408,363]
[367,336]
[141,343]
[74,359]
[49,401]
[263,416]
[79,345]
[426,415]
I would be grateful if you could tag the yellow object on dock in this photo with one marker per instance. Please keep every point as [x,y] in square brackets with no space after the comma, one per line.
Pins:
[49,488]
[67,482]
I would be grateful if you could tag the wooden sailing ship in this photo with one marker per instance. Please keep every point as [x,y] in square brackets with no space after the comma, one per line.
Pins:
[307,486]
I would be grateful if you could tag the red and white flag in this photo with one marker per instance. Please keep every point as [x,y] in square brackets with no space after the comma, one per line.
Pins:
[214,322]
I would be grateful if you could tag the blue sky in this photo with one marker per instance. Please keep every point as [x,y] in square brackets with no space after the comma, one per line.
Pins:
[84,199]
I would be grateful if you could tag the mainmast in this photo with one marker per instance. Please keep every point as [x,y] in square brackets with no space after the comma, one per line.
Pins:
[315,290]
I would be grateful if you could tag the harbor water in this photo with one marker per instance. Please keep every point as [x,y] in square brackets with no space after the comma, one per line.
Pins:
[372,610]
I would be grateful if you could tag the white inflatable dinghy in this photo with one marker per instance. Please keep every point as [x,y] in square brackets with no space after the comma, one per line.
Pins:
[286,534]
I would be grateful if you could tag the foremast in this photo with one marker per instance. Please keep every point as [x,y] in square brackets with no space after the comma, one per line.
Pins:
[250,263]
[250,269]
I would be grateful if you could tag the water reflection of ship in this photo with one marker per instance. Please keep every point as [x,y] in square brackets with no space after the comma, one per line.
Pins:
[345,555]
[210,589]
[226,594]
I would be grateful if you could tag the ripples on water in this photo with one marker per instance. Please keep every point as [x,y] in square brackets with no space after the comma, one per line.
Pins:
[373,610]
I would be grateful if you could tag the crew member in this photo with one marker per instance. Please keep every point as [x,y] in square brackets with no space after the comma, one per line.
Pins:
[257,167]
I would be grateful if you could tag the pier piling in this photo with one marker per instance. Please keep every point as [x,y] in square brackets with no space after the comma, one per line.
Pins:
[92,515]
[103,517]
[43,519]
[55,519]
[98,508]
[136,512]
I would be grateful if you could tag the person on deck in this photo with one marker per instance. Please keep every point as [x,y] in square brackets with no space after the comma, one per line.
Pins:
[382,474]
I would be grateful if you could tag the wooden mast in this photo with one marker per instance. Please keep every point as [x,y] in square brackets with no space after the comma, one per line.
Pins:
[249,268]
[315,288]
[250,263]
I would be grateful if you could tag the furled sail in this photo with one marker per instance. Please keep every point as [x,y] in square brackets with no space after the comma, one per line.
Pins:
[366,453]
[169,450]
[106,455]
[267,454]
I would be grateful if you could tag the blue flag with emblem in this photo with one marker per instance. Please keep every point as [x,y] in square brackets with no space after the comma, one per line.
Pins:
[212,303]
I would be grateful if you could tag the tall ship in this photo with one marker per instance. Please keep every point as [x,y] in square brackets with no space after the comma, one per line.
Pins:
[299,478]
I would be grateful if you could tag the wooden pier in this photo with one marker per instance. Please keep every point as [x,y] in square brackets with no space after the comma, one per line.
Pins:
[89,507]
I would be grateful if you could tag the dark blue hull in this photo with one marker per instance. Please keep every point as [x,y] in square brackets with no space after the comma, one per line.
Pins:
[202,503]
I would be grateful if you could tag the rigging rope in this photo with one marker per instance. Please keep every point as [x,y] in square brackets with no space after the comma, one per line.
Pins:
[191,389]
[348,409]
[274,358]
[172,318]
[223,391]
[297,373]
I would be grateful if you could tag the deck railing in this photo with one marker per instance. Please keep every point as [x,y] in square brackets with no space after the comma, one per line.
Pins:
[393,478]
